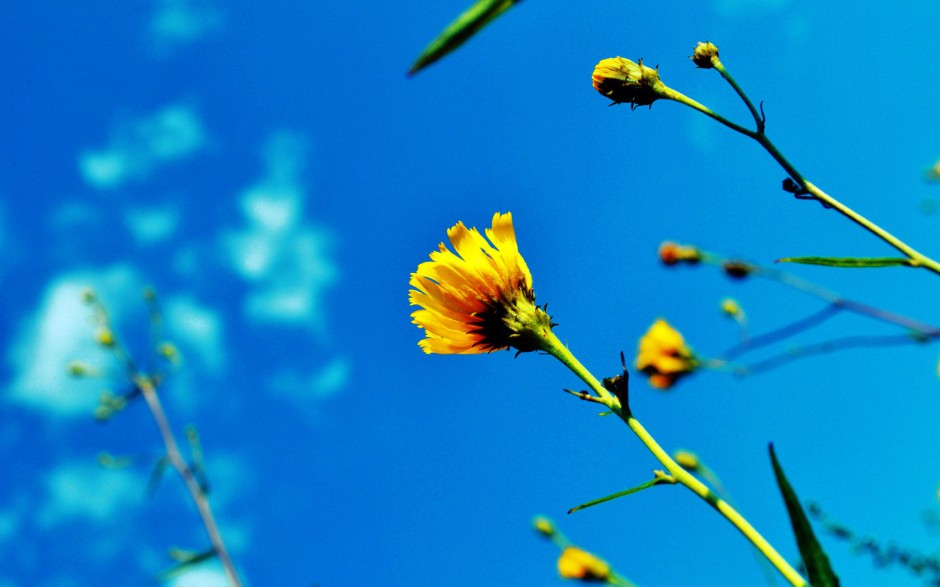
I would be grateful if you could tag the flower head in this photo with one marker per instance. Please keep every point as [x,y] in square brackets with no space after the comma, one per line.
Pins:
[622,80]
[479,299]
[664,356]
[704,55]
[575,563]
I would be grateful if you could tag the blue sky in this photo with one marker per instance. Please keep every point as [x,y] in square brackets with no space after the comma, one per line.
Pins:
[270,170]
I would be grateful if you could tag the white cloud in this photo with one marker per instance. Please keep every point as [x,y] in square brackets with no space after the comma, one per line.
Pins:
[176,23]
[60,331]
[9,523]
[287,260]
[204,576]
[152,225]
[196,329]
[86,491]
[136,148]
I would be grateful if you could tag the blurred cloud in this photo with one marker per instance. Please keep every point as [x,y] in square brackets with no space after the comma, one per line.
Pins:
[177,23]
[196,329]
[58,332]
[152,225]
[287,261]
[89,492]
[139,146]
[201,577]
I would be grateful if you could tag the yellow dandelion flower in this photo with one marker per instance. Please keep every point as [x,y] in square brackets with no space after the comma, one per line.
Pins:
[664,356]
[625,81]
[575,563]
[479,299]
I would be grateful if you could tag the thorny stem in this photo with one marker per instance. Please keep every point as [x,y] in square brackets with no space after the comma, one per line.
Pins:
[917,259]
[554,347]
[173,456]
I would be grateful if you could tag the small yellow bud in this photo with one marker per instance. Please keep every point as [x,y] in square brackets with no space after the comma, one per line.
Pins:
[78,369]
[687,460]
[544,526]
[105,337]
[731,308]
[704,54]
[624,81]
[168,351]
[575,563]
[664,356]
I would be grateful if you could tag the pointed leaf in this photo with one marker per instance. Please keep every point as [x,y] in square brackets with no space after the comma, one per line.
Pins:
[467,24]
[816,561]
[854,262]
[657,481]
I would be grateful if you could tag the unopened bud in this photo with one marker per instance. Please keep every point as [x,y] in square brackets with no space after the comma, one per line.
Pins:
[671,253]
[731,308]
[88,295]
[737,269]
[575,563]
[704,55]
[78,369]
[105,337]
[544,526]
[687,460]
[624,81]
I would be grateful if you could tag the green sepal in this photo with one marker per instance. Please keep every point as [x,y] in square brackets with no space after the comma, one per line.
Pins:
[815,560]
[458,32]
[853,262]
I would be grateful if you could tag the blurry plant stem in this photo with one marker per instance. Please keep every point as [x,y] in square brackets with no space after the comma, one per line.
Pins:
[175,459]
[916,258]
[553,346]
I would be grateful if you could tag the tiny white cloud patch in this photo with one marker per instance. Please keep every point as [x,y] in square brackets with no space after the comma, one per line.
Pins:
[137,147]
[152,225]
[59,332]
[322,382]
[197,329]
[85,490]
[176,23]
[287,260]
[203,576]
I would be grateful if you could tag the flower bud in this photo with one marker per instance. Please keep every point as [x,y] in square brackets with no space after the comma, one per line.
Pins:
[624,81]
[737,269]
[575,563]
[731,308]
[544,526]
[105,337]
[671,253]
[687,460]
[704,55]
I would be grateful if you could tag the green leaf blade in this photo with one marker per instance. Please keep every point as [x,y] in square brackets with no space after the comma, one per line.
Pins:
[458,32]
[851,262]
[816,561]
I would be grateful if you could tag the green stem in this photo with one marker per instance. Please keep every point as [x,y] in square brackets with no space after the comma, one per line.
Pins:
[758,118]
[557,349]
[917,258]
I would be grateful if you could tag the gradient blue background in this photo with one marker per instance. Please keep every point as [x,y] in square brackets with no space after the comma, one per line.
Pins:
[268,167]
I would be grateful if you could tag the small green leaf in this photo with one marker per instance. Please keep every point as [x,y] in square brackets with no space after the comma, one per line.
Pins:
[848,261]
[467,24]
[657,481]
[816,561]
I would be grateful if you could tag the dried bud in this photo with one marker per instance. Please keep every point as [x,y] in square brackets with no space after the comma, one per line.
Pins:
[704,55]
[671,253]
[624,81]
[737,269]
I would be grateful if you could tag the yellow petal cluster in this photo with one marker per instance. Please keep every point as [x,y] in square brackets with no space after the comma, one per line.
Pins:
[479,298]
[664,356]
[625,81]
[575,563]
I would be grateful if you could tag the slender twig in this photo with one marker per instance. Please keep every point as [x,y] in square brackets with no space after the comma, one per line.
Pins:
[175,459]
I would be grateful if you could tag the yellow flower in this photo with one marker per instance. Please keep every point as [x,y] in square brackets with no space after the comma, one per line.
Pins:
[479,299]
[664,356]
[705,55]
[623,80]
[575,563]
